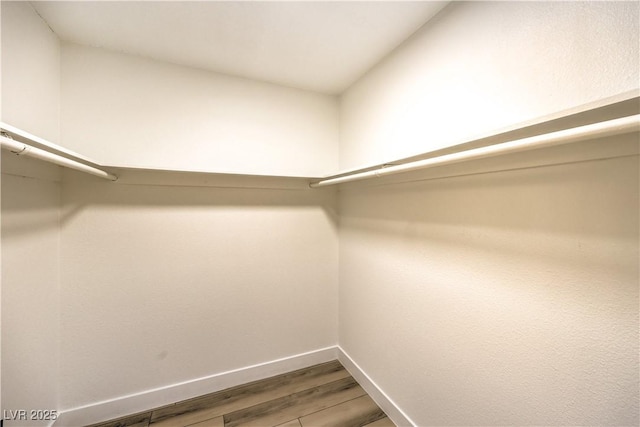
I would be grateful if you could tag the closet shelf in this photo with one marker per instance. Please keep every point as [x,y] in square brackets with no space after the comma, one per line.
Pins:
[596,130]
[619,114]
[615,116]
[23,143]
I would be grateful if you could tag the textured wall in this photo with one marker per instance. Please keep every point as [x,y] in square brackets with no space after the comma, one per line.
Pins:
[481,66]
[162,285]
[30,208]
[193,119]
[506,298]
[30,286]
[30,72]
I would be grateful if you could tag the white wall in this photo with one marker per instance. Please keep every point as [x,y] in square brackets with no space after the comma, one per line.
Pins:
[115,107]
[30,286]
[504,298]
[157,285]
[30,72]
[507,298]
[482,66]
[165,284]
[30,208]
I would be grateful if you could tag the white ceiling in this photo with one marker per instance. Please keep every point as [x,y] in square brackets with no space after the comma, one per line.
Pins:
[319,46]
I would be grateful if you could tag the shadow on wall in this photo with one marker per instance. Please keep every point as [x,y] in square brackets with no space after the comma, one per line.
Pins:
[571,230]
[29,206]
[595,198]
[146,190]
[80,191]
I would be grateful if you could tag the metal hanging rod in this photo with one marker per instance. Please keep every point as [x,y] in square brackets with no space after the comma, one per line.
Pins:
[596,130]
[22,149]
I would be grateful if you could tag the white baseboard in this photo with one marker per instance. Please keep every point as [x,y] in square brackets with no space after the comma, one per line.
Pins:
[390,408]
[150,399]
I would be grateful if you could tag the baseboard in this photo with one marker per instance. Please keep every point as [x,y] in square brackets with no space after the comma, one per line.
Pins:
[150,399]
[392,410]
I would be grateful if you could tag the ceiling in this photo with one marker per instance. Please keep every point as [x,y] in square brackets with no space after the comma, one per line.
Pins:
[319,46]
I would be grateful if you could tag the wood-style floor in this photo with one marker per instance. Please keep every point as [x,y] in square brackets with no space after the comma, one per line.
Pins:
[322,395]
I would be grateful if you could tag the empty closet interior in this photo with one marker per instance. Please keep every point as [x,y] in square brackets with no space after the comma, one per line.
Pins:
[444,196]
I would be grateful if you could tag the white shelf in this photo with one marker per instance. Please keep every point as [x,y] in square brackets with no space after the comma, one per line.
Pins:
[622,105]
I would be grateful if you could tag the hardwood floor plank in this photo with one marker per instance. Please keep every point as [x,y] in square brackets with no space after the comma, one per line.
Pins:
[354,413]
[142,424]
[213,422]
[189,418]
[292,423]
[136,420]
[383,422]
[297,405]
[235,398]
